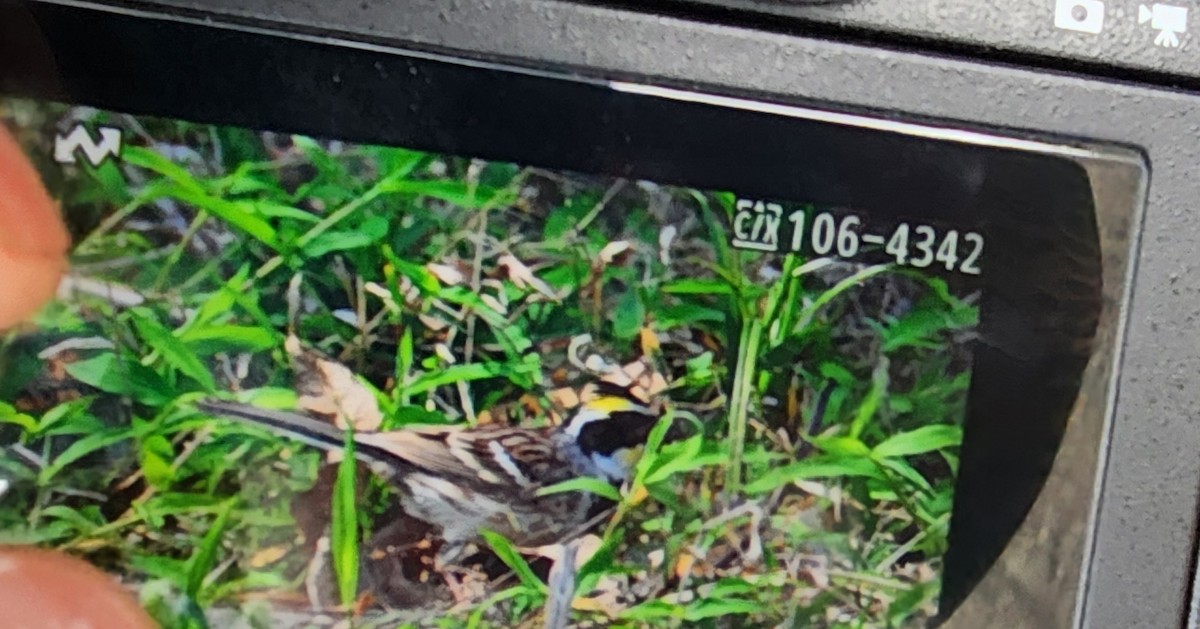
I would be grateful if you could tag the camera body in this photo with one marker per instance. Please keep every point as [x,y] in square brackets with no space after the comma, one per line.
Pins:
[1009,77]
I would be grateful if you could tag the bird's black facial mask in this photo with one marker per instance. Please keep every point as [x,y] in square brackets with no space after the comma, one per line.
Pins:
[877,337]
[622,430]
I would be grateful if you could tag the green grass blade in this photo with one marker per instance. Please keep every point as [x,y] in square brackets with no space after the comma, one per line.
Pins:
[817,467]
[875,396]
[205,558]
[344,533]
[513,559]
[82,448]
[806,316]
[174,351]
[590,485]
[919,441]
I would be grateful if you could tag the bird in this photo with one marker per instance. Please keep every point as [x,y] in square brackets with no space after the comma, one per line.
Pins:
[464,480]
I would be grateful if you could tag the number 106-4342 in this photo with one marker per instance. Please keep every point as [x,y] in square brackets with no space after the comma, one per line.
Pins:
[918,246]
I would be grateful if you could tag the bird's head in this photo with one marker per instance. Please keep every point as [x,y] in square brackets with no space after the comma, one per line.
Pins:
[610,428]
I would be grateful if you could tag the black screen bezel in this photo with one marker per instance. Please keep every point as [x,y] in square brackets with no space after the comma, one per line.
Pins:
[1035,210]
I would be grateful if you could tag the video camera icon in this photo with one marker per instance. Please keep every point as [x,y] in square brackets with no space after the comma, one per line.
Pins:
[1170,20]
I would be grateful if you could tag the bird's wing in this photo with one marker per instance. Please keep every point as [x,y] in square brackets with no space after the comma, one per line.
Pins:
[479,458]
[426,449]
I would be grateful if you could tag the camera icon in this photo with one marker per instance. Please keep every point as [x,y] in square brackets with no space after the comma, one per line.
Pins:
[1084,16]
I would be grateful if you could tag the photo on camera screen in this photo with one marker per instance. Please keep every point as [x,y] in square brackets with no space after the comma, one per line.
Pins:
[289,379]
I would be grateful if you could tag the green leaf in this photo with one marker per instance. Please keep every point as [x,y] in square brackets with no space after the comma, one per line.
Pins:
[511,337]
[46,533]
[700,365]
[558,224]
[677,458]
[344,532]
[236,186]
[110,374]
[837,373]
[83,447]
[806,315]
[583,483]
[279,210]
[112,188]
[629,316]
[696,286]
[816,467]
[460,373]
[718,608]
[159,567]
[408,414]
[910,473]
[336,241]
[652,456]
[457,192]
[209,340]
[907,604]
[174,503]
[842,446]
[77,519]
[513,559]
[173,350]
[67,412]
[371,231]
[875,395]
[424,280]
[154,161]
[919,441]
[157,457]
[651,610]
[679,315]
[376,227]
[270,397]
[397,162]
[918,328]
[205,557]
[242,215]
[9,415]
[405,351]
[221,301]
[404,364]
[951,461]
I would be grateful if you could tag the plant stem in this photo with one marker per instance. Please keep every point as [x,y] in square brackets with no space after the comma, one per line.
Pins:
[180,249]
[752,331]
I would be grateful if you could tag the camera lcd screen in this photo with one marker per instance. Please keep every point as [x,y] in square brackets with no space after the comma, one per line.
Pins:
[423,288]
[425,341]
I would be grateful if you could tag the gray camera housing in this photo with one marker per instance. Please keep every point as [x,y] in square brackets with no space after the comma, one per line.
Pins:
[1138,567]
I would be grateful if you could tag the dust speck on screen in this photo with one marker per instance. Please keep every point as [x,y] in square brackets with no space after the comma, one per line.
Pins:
[290,380]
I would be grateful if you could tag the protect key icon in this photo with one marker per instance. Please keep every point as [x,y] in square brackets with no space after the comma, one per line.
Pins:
[1170,20]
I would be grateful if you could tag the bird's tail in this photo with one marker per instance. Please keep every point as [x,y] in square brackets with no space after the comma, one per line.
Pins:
[300,428]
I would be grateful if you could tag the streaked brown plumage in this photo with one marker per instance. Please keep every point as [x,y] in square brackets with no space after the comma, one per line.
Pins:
[463,480]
